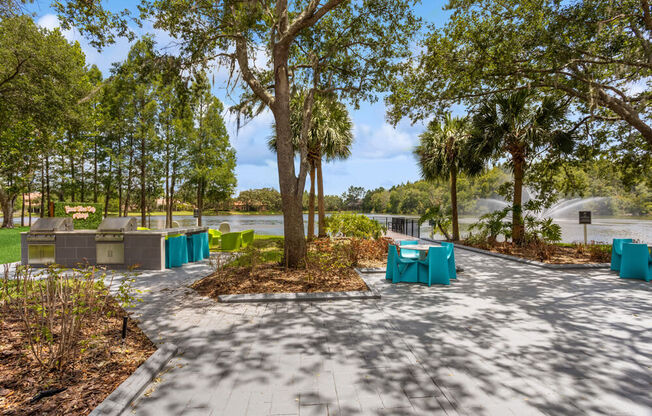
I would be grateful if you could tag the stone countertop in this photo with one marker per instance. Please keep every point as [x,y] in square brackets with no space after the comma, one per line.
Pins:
[166,231]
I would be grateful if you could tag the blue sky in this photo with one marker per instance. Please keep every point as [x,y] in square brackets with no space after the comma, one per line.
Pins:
[381,154]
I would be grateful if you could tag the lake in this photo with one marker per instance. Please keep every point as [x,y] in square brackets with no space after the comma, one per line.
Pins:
[603,229]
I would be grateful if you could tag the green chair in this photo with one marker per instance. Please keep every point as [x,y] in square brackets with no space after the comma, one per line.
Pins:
[214,239]
[247,238]
[636,262]
[231,241]
[142,229]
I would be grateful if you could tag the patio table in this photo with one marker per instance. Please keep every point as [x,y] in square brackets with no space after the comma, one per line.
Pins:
[423,252]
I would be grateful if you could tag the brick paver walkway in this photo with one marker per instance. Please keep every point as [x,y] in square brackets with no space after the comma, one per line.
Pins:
[504,339]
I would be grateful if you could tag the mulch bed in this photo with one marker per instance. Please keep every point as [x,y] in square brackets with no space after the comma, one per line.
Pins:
[553,254]
[271,278]
[101,367]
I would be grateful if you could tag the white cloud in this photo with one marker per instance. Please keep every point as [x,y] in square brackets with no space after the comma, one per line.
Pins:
[383,141]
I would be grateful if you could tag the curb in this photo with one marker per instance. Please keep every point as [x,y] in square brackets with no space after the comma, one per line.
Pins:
[372,293]
[530,262]
[118,401]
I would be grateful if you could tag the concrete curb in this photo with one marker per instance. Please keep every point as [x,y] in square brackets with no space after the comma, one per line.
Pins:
[530,262]
[372,293]
[118,401]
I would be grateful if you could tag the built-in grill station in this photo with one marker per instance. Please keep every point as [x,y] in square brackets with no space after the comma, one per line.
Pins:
[116,244]
[41,239]
[109,239]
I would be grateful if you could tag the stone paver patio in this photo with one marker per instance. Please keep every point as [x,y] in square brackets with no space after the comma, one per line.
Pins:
[504,339]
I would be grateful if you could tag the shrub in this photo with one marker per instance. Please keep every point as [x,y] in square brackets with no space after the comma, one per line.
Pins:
[353,225]
[55,305]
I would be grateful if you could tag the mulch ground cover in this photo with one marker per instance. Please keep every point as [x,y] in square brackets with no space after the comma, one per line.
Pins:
[271,278]
[103,364]
[551,253]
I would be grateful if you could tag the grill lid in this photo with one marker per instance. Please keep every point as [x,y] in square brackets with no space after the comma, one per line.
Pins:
[51,224]
[117,224]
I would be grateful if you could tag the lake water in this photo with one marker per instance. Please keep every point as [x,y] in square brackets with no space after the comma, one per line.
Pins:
[603,229]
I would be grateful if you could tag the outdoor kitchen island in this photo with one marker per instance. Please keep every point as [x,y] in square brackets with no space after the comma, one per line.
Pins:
[116,244]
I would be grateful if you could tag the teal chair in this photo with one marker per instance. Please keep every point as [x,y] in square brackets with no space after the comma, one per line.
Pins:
[195,247]
[450,258]
[407,253]
[206,251]
[400,269]
[636,262]
[617,251]
[177,250]
[434,269]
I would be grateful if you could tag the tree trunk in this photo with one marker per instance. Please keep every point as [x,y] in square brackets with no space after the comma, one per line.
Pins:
[42,189]
[518,232]
[321,216]
[129,177]
[22,211]
[200,200]
[72,179]
[6,200]
[47,179]
[167,180]
[311,203]
[29,198]
[456,225]
[172,185]
[95,171]
[143,185]
[107,190]
[82,191]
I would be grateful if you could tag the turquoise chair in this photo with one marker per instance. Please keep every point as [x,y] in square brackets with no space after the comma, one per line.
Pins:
[399,269]
[206,251]
[178,250]
[450,257]
[636,262]
[617,251]
[407,253]
[167,253]
[195,247]
[434,269]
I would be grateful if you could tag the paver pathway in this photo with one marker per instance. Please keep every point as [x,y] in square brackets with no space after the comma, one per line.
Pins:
[504,339]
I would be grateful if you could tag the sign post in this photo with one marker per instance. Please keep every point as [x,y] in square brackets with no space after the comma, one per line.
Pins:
[585,218]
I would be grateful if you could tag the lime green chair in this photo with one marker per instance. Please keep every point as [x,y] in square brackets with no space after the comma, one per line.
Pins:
[142,229]
[214,239]
[247,238]
[231,241]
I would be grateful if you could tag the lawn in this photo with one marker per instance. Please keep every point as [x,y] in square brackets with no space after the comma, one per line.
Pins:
[10,244]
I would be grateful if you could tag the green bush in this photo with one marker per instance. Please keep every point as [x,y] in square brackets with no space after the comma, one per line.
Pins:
[85,215]
[353,225]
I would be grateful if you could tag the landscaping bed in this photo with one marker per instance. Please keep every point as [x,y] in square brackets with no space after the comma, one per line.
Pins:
[97,360]
[550,253]
[330,267]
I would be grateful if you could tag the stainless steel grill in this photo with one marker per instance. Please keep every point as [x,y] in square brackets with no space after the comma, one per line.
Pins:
[42,237]
[109,239]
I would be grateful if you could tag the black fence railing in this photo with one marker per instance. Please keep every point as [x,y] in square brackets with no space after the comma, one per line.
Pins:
[402,225]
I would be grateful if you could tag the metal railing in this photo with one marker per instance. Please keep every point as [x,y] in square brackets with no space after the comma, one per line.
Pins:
[403,225]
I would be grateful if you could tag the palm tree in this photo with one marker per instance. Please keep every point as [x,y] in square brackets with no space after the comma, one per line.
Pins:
[521,125]
[330,137]
[443,153]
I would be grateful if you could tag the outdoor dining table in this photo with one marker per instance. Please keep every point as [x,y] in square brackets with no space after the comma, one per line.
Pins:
[423,252]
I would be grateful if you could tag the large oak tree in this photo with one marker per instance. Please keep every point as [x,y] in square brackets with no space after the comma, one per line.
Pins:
[363,37]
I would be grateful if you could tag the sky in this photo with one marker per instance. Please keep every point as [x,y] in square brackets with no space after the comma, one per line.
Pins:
[381,154]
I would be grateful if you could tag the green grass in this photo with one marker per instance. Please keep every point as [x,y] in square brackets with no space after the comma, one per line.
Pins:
[264,249]
[10,244]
